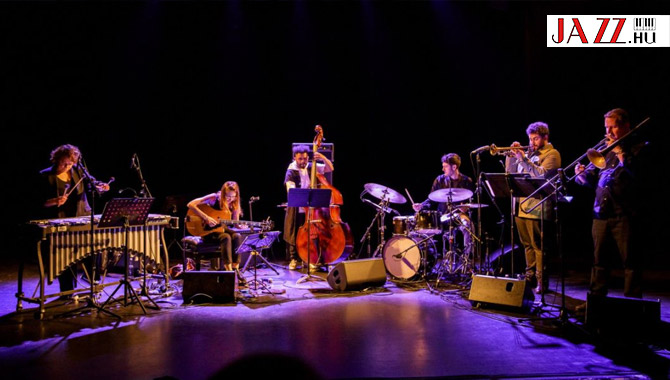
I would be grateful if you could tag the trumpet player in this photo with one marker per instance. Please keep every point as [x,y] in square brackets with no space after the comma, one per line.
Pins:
[541,160]
[618,188]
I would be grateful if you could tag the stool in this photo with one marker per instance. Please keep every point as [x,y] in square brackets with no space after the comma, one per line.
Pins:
[195,248]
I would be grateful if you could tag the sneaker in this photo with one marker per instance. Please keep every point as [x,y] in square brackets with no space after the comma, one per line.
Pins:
[293,265]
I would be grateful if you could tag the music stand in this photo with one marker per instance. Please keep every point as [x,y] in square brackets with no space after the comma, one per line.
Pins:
[127,212]
[246,264]
[311,198]
[510,185]
[254,244]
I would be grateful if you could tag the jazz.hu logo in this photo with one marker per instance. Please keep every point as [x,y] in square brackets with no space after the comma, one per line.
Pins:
[608,31]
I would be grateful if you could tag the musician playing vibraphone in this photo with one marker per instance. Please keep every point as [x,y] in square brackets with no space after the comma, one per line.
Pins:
[61,193]
[66,241]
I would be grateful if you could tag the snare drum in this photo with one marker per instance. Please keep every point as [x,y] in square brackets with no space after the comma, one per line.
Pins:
[400,225]
[404,256]
[428,222]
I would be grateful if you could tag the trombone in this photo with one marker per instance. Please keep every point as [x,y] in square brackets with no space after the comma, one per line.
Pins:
[596,156]
[602,144]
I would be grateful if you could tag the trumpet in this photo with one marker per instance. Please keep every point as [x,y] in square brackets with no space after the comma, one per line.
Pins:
[505,150]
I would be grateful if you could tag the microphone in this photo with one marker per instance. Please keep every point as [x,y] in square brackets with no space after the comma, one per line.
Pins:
[133,161]
[254,199]
[387,210]
[481,149]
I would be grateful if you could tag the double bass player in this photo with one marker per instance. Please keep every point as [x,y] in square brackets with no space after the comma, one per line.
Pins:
[298,176]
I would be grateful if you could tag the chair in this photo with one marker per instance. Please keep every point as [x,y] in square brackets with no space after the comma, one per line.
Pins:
[195,248]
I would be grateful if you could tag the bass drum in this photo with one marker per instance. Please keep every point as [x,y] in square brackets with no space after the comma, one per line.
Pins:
[405,256]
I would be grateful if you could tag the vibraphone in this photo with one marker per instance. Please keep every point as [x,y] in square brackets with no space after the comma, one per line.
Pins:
[68,241]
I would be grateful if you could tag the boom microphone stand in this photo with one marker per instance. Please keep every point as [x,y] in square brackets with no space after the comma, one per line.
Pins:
[557,183]
[136,165]
[380,216]
[91,302]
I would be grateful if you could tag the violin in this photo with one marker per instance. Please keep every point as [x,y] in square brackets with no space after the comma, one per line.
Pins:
[324,238]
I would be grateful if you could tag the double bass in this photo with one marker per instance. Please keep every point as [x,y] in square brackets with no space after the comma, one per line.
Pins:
[324,237]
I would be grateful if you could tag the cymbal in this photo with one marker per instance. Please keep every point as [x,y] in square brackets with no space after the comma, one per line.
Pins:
[384,193]
[457,194]
[473,205]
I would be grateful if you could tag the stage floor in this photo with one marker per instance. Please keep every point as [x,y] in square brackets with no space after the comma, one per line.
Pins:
[401,330]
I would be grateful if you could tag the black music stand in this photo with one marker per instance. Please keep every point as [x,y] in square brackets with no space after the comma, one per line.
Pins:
[254,244]
[254,253]
[510,185]
[127,212]
[311,198]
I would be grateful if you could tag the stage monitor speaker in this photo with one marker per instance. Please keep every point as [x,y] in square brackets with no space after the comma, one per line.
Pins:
[504,291]
[628,317]
[209,287]
[327,149]
[357,274]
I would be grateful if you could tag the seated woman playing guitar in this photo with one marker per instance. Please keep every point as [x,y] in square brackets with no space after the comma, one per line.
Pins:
[214,211]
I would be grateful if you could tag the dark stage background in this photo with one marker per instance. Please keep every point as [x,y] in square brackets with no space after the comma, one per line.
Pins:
[214,91]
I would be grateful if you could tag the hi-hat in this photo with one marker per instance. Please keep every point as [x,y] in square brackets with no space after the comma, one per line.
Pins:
[474,205]
[455,194]
[384,193]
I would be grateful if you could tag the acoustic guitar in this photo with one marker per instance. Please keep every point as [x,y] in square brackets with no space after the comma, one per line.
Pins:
[197,226]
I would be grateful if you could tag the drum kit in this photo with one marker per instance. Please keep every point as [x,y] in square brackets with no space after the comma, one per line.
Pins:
[412,253]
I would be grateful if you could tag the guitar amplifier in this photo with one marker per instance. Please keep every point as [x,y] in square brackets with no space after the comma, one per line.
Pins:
[327,149]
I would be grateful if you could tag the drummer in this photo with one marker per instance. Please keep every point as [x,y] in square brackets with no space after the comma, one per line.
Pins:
[452,178]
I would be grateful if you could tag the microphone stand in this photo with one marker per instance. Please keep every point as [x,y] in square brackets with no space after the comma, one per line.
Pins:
[145,193]
[91,190]
[380,216]
[559,187]
[145,189]
[478,192]
[251,202]
[501,222]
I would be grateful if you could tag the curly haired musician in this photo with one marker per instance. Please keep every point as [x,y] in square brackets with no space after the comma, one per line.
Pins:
[226,204]
[542,161]
[62,194]
[619,188]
